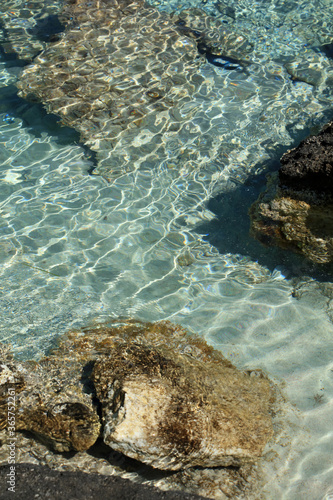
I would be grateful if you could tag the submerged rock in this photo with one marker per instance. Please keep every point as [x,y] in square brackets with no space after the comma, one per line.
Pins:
[65,426]
[156,394]
[125,75]
[171,410]
[296,210]
[46,404]
[167,398]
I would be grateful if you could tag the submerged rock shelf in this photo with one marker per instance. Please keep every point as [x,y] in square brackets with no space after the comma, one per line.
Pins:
[124,74]
[133,81]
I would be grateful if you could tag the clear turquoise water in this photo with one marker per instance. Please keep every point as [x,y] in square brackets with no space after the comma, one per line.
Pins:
[165,242]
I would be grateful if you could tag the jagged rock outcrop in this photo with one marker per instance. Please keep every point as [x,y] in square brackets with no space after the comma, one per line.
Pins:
[309,167]
[296,209]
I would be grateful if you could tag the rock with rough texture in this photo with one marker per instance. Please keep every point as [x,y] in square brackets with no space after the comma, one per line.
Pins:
[56,411]
[167,398]
[310,165]
[171,410]
[64,426]
[155,393]
[296,209]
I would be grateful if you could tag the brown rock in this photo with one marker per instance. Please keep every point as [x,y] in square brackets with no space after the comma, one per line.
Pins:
[47,403]
[64,426]
[167,398]
[172,410]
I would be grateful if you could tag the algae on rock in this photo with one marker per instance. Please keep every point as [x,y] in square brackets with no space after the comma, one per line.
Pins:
[167,398]
[172,411]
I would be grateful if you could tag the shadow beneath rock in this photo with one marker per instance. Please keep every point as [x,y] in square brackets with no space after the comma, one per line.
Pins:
[229,232]
[127,464]
[320,221]
[47,29]
[38,122]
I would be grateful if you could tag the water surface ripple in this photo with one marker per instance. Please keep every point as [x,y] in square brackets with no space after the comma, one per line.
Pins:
[77,248]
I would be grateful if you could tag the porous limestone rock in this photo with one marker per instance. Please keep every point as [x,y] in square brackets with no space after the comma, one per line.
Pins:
[296,209]
[167,398]
[171,410]
[160,395]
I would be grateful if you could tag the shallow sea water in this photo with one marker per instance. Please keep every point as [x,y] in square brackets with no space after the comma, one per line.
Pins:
[166,242]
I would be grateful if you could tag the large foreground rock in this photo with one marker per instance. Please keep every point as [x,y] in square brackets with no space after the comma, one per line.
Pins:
[171,410]
[296,209]
[166,398]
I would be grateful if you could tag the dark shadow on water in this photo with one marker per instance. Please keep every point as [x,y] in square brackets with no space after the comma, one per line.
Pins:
[47,29]
[34,117]
[32,114]
[38,122]
[327,49]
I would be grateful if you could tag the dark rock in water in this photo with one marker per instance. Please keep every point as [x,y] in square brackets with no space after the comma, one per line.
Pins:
[220,60]
[310,165]
[296,210]
[223,62]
